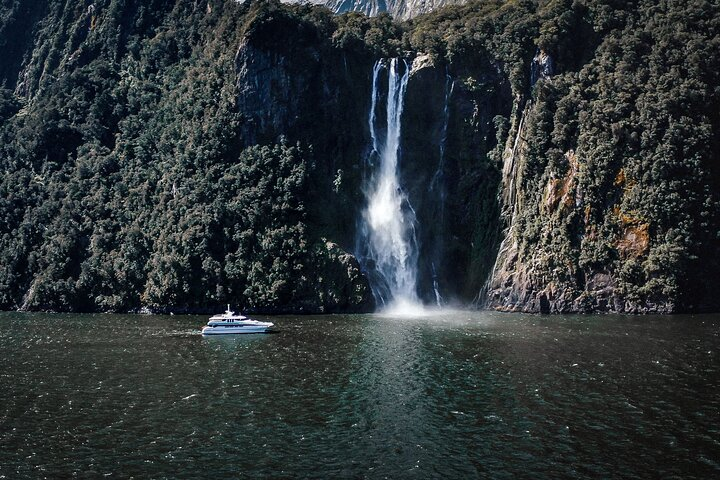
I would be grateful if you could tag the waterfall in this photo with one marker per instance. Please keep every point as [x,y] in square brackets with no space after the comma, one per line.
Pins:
[437,186]
[387,246]
[449,87]
[436,286]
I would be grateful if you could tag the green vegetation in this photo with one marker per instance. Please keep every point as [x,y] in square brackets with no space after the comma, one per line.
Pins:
[641,116]
[126,184]
[135,173]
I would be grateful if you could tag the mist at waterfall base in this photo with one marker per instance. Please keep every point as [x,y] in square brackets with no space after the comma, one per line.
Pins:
[387,241]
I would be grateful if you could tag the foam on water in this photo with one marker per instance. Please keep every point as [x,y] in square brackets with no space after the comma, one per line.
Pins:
[405,307]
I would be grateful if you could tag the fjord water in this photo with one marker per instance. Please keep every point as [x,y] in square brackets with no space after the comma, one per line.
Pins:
[447,395]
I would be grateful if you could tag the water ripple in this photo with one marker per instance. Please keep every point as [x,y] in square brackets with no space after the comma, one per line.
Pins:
[451,395]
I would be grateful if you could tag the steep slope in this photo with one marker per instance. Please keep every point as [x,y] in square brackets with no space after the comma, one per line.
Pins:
[399,9]
[559,156]
[611,176]
[131,179]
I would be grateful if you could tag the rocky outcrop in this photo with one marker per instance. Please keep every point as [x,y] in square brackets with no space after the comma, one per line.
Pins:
[341,286]
[560,192]
[399,9]
[542,66]
[542,277]
[510,286]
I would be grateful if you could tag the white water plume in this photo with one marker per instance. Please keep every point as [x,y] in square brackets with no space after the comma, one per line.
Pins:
[387,230]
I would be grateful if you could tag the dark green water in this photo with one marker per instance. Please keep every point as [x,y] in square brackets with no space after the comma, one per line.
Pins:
[453,395]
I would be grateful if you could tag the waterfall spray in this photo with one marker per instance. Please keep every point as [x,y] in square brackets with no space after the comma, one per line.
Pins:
[387,243]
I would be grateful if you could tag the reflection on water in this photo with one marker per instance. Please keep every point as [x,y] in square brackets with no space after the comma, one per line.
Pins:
[451,395]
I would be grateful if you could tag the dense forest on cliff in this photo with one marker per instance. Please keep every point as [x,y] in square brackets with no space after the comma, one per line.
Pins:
[179,155]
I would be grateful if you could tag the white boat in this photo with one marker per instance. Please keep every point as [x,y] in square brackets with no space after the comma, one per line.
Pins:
[230,323]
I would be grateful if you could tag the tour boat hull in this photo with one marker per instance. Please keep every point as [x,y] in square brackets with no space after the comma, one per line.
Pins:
[234,330]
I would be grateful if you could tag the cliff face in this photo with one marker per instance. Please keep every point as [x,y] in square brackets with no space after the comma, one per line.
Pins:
[296,87]
[448,138]
[559,158]
[547,278]
[399,9]
[595,220]
[522,282]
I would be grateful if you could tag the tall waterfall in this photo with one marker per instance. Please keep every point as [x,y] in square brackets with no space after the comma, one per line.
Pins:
[387,246]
